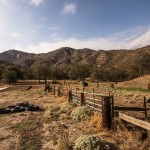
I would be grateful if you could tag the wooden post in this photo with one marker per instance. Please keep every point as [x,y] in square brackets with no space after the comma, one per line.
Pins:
[76,90]
[93,96]
[112,85]
[83,89]
[109,92]
[54,90]
[82,100]
[58,91]
[106,112]
[145,106]
[97,84]
[51,89]
[70,96]
[63,90]
[112,106]
[149,86]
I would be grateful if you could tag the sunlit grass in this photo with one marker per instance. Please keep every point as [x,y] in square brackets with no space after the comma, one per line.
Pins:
[133,89]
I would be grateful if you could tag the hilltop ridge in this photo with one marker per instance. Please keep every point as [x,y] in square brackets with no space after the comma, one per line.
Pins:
[60,58]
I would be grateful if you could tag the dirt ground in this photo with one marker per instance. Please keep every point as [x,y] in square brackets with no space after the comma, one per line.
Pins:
[41,130]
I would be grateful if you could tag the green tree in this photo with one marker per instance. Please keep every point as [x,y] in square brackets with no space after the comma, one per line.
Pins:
[144,64]
[41,71]
[80,71]
[96,74]
[10,75]
[28,74]
[2,67]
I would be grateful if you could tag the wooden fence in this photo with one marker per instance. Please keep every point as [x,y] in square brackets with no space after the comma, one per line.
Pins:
[144,109]
[137,122]
[103,104]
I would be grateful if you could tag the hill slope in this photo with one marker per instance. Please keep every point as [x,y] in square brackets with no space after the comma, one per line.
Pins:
[141,82]
[116,59]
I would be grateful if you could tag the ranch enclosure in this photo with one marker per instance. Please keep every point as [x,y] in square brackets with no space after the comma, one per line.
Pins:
[54,126]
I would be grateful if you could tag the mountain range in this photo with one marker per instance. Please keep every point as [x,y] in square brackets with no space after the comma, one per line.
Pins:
[126,59]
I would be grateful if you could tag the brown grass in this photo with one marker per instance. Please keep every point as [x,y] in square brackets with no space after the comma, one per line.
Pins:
[141,82]
[96,121]
[27,123]
[62,143]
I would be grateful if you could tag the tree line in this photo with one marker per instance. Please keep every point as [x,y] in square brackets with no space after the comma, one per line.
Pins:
[41,71]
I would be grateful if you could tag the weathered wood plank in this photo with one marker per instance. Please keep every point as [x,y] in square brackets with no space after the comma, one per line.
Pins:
[70,96]
[145,106]
[112,107]
[130,108]
[96,109]
[89,98]
[135,121]
[82,100]
[93,103]
[106,112]
[3,88]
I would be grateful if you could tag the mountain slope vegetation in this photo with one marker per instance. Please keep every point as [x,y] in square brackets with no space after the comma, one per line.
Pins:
[126,64]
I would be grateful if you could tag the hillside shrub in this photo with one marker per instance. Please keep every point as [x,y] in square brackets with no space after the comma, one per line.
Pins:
[51,110]
[89,142]
[67,108]
[81,113]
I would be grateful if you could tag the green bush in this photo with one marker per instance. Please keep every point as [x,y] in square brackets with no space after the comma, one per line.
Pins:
[89,142]
[81,113]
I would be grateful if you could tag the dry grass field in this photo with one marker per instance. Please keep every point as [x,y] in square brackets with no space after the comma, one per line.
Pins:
[53,128]
[140,82]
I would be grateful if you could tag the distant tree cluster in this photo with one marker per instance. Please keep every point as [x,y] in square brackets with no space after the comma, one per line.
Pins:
[11,74]
[42,71]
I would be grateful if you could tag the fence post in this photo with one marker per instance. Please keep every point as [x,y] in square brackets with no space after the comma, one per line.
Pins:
[109,92]
[76,90]
[83,89]
[145,106]
[112,107]
[63,91]
[97,84]
[106,112]
[149,86]
[93,96]
[58,91]
[70,96]
[51,89]
[54,90]
[82,100]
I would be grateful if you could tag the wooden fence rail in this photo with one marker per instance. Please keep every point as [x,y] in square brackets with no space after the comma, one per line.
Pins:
[130,108]
[140,123]
[103,104]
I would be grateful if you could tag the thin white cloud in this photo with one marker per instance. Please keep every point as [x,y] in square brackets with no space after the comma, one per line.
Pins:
[54,35]
[124,40]
[53,28]
[6,4]
[35,2]
[137,41]
[43,19]
[95,43]
[69,8]
[4,1]
[14,35]
[98,43]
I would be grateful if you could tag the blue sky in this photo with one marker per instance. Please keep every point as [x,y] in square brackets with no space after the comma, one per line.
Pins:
[40,26]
